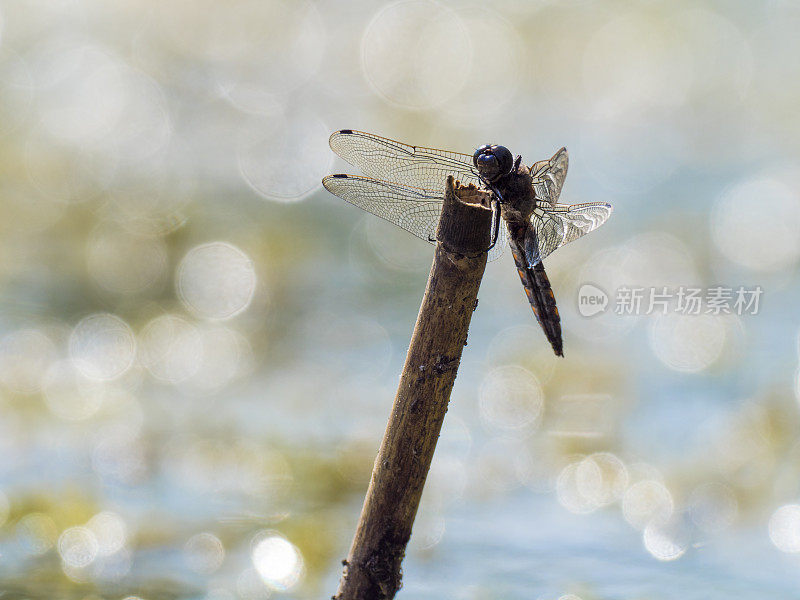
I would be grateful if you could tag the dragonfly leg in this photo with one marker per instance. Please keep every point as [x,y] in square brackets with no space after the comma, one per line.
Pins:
[495,207]
[495,224]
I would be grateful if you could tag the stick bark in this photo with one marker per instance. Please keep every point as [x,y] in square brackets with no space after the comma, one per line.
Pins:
[372,570]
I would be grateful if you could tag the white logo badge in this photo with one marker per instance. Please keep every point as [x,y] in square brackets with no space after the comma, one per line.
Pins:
[591,300]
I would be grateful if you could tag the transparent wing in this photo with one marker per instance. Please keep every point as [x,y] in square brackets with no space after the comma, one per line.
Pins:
[413,166]
[549,175]
[414,209]
[554,226]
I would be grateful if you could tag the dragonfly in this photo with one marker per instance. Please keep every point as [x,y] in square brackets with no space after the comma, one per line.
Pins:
[404,184]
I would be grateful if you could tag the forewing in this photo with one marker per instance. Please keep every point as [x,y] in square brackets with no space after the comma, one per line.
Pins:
[548,177]
[414,209]
[413,166]
[560,224]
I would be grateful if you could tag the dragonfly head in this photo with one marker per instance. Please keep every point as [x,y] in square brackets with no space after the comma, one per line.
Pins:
[493,161]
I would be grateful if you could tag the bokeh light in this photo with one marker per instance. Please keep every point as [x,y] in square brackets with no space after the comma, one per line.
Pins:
[171,348]
[102,346]
[284,159]
[667,540]
[448,480]
[687,343]
[511,399]
[784,528]
[110,532]
[591,482]
[647,501]
[492,80]
[429,529]
[204,553]
[601,478]
[225,356]
[264,51]
[397,47]
[571,481]
[757,239]
[107,113]
[77,546]
[86,92]
[216,280]
[277,561]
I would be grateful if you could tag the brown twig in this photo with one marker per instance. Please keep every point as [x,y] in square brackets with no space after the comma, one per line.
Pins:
[373,568]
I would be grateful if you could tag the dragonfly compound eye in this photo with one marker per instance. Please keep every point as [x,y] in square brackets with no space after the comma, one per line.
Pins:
[486,162]
[480,152]
[493,161]
[505,159]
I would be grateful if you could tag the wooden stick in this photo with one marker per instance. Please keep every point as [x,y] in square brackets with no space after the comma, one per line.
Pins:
[372,570]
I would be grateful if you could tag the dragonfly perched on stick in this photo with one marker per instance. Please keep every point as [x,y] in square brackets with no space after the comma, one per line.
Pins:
[404,184]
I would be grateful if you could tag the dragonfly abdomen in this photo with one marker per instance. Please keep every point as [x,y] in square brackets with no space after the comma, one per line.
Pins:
[540,294]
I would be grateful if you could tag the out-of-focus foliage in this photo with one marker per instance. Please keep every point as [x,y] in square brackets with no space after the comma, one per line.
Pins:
[199,348]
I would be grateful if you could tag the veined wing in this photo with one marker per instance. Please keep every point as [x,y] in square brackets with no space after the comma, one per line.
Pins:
[549,175]
[414,209]
[554,226]
[413,166]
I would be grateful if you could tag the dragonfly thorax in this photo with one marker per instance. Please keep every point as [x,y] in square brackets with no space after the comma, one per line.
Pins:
[493,161]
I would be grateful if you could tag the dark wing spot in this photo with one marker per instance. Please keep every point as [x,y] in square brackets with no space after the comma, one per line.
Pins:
[346,131]
[339,176]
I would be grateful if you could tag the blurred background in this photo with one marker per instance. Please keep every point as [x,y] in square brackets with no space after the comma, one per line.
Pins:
[199,346]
